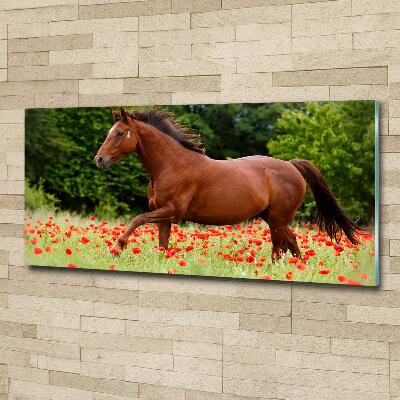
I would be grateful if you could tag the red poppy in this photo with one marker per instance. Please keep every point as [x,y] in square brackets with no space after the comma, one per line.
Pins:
[338,247]
[189,248]
[37,251]
[363,276]
[84,240]
[341,278]
[266,278]
[289,275]
[293,260]
[136,250]
[68,251]
[111,267]
[353,282]
[72,266]
[182,263]
[324,271]
[34,241]
[301,266]
[250,259]
[48,249]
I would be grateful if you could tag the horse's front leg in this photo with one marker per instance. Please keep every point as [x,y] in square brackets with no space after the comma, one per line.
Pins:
[163,215]
[164,231]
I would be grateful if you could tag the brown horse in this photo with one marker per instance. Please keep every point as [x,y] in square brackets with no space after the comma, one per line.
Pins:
[185,184]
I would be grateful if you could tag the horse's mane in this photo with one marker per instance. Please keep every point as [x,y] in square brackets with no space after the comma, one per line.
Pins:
[165,122]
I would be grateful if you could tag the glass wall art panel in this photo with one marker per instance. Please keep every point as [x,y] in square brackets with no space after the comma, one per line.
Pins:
[280,191]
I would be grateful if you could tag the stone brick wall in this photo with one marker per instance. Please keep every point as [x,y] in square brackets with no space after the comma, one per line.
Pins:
[101,336]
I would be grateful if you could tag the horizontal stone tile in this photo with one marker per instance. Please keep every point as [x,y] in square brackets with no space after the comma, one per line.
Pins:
[12,116]
[374,7]
[249,355]
[150,392]
[264,15]
[265,323]
[76,381]
[165,53]
[102,325]
[18,358]
[40,87]
[360,348]
[163,300]
[209,351]
[180,84]
[119,311]
[196,98]
[100,86]
[250,387]
[174,332]
[195,5]
[190,317]
[237,304]
[42,14]
[197,365]
[323,9]
[115,39]
[50,72]
[117,99]
[199,35]
[28,374]
[22,4]
[187,67]
[124,9]
[59,364]
[264,63]
[262,31]
[103,371]
[175,379]
[317,44]
[64,335]
[249,371]
[115,70]
[145,360]
[46,43]
[374,315]
[319,311]
[164,22]
[347,330]
[347,76]
[376,40]
[28,58]
[126,343]
[331,362]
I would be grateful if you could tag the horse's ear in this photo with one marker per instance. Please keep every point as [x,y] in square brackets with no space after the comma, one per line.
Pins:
[116,115]
[124,115]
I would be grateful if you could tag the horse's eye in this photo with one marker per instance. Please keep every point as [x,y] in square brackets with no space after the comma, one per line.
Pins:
[120,133]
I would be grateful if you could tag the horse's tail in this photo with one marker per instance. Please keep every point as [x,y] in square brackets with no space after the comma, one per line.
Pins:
[330,216]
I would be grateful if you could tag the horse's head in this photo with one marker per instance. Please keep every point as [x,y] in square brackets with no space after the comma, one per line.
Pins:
[121,140]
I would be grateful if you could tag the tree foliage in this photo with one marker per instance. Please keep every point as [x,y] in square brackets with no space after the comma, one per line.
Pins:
[339,139]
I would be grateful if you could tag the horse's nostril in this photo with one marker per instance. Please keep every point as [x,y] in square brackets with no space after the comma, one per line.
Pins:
[99,159]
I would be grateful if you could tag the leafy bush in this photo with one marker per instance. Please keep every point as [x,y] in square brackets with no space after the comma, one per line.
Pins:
[37,199]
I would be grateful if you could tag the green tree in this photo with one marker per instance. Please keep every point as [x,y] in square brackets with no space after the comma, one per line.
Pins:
[338,137]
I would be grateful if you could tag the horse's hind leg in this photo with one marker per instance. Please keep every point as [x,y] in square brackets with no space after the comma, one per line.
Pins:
[164,231]
[292,243]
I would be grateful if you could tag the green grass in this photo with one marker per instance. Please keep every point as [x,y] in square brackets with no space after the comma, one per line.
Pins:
[211,247]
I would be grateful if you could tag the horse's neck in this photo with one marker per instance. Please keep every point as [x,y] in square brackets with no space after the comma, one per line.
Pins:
[157,151]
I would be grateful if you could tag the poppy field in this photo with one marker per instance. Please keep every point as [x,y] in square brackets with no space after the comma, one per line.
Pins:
[239,251]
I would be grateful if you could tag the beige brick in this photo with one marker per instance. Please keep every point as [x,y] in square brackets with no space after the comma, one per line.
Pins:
[163,300]
[50,304]
[22,4]
[100,86]
[114,281]
[190,317]
[189,380]
[103,325]
[42,73]
[64,335]
[244,16]
[265,323]
[187,68]
[28,374]
[195,5]
[317,44]
[112,387]
[249,355]
[57,100]
[11,216]
[32,58]
[394,126]
[359,92]
[262,31]
[115,39]
[14,357]
[113,99]
[374,7]
[122,9]
[109,55]
[323,9]
[150,392]
[395,247]
[319,311]
[376,40]
[115,70]
[249,387]
[164,22]
[197,365]
[199,35]
[164,331]
[12,116]
[103,371]
[43,14]
[165,53]
[237,304]
[46,43]
[347,330]
[120,311]
[196,98]
[359,348]
[374,315]
[11,130]
[196,349]
[349,76]
[22,389]
[145,360]
[40,87]
[58,364]
[264,63]
[331,362]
